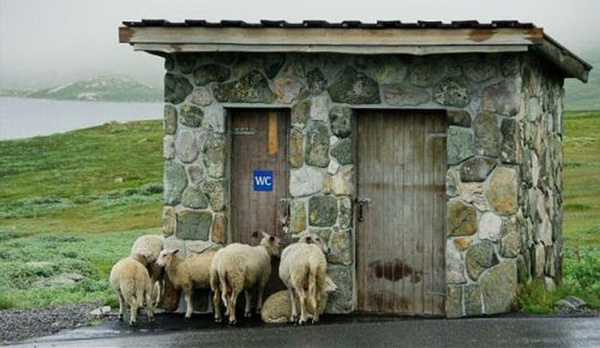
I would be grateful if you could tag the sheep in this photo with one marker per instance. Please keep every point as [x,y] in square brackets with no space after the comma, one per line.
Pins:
[277,309]
[303,267]
[131,281]
[187,274]
[241,267]
[150,246]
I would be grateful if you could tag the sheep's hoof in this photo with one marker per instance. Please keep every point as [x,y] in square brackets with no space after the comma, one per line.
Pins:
[301,322]
[247,314]
[232,321]
[217,320]
[120,317]
[188,316]
[132,323]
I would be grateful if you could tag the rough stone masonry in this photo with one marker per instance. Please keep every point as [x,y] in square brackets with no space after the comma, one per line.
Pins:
[503,182]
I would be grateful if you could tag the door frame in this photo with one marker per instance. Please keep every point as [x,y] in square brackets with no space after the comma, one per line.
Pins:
[356,113]
[229,113]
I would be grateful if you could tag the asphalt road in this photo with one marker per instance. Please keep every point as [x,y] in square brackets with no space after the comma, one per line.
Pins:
[354,331]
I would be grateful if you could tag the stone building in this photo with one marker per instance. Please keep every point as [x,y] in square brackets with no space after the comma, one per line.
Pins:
[429,155]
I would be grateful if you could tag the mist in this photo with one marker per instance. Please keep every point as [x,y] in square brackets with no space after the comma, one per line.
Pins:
[44,43]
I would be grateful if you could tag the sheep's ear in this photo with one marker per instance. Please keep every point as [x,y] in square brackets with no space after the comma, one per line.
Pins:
[264,234]
[309,240]
[175,251]
[254,234]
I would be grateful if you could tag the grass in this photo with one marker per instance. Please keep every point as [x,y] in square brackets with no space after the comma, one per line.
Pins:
[75,202]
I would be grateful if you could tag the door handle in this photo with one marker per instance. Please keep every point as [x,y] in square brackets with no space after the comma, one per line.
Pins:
[360,204]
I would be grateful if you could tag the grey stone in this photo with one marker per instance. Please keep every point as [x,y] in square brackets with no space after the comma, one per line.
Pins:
[343,182]
[534,110]
[191,115]
[480,257]
[210,73]
[215,156]
[317,81]
[461,219]
[286,89]
[185,62]
[251,88]
[322,211]
[333,166]
[478,68]
[196,174]
[459,118]
[404,95]
[549,284]
[218,233]
[523,272]
[272,64]
[214,119]
[340,248]
[319,108]
[168,147]
[215,191]
[460,144]
[305,181]
[454,303]
[194,198]
[476,169]
[177,88]
[385,69]
[297,216]
[472,294]
[570,303]
[345,215]
[324,233]
[452,182]
[508,148]
[340,301]
[174,243]
[175,181]
[341,121]
[170,120]
[296,150]
[316,150]
[104,310]
[196,247]
[187,146]
[549,269]
[455,266]
[353,87]
[169,63]
[487,135]
[422,73]
[301,113]
[489,226]
[502,98]
[168,221]
[509,64]
[201,96]
[503,190]
[499,287]
[342,152]
[452,91]
[63,279]
[193,224]
[510,244]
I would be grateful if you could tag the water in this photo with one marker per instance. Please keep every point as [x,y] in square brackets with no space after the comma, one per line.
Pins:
[23,117]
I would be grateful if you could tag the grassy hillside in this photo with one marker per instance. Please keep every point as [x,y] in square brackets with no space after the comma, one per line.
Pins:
[74,203]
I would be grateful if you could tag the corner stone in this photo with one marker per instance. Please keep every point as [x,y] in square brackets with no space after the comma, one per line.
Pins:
[340,301]
[454,308]
[193,225]
[499,287]
[503,190]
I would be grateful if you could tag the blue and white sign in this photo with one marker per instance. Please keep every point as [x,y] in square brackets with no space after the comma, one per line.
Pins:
[263,180]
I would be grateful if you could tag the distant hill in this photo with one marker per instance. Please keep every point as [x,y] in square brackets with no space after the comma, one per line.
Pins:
[103,88]
[585,96]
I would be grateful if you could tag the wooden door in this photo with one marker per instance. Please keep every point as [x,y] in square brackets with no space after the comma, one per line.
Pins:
[258,144]
[401,159]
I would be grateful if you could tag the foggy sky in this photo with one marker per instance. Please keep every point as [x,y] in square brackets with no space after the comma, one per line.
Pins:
[57,41]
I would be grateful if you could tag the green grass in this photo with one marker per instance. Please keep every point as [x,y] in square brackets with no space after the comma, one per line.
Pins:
[75,202]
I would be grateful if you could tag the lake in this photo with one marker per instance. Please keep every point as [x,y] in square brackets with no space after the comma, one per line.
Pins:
[24,117]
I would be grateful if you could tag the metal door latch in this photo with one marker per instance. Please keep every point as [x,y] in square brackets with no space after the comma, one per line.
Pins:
[360,203]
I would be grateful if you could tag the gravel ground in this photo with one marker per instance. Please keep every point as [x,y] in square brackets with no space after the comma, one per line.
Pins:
[20,324]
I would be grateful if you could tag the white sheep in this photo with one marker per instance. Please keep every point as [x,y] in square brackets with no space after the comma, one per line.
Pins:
[150,247]
[187,274]
[241,267]
[131,281]
[303,270]
[277,309]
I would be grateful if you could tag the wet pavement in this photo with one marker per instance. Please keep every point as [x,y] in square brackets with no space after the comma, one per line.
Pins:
[337,331]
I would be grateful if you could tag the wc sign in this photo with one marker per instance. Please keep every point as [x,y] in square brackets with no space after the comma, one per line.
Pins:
[263,180]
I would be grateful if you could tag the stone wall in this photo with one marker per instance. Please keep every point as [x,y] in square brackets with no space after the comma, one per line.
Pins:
[482,94]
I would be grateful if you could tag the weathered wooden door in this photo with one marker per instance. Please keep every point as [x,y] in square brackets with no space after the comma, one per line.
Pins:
[401,172]
[259,171]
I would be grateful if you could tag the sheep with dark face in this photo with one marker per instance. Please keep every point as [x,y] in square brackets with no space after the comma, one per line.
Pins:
[241,267]
[303,270]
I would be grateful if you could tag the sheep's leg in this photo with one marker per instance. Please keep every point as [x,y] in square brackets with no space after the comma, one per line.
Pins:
[217,305]
[303,313]
[133,306]
[247,311]
[149,307]
[189,303]
[259,300]
[158,288]
[294,315]
[232,303]
[121,301]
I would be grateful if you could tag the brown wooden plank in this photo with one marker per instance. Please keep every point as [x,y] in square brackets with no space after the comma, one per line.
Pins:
[439,216]
[429,192]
